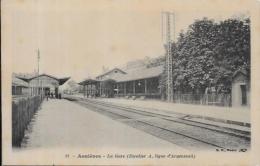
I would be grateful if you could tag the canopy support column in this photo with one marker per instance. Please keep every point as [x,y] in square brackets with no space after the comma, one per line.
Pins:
[84,90]
[100,90]
[124,88]
[145,86]
[134,87]
[117,88]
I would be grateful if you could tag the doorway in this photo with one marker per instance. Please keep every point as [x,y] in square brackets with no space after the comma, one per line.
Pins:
[46,91]
[244,94]
[56,92]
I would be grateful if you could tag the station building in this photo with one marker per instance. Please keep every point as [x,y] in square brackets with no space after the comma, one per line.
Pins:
[42,84]
[19,87]
[142,81]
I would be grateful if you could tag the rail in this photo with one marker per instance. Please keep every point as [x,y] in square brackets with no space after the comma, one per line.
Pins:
[121,112]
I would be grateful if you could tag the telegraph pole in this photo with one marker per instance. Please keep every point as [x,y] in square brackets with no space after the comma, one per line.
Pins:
[168,19]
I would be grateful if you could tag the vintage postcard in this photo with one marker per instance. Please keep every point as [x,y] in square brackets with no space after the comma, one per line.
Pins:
[130,82]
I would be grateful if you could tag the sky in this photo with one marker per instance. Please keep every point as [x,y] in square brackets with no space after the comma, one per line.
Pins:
[77,37]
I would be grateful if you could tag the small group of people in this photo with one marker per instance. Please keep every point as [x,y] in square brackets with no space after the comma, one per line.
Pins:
[52,95]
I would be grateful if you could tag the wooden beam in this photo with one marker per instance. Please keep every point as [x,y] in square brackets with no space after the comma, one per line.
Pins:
[91,90]
[87,89]
[84,90]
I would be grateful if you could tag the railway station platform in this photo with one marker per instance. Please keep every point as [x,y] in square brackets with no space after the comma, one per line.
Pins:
[236,116]
[230,115]
[62,123]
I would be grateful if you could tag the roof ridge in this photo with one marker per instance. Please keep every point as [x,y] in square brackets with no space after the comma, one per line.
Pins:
[115,68]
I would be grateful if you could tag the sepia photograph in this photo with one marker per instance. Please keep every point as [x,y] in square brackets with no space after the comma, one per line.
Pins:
[128,82]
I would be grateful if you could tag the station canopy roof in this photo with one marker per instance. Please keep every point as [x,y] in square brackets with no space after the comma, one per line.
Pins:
[61,80]
[129,75]
[19,82]
[110,71]
[88,81]
[137,74]
[140,73]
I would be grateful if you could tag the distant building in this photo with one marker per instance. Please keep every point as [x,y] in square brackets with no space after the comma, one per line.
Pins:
[43,84]
[140,80]
[70,87]
[19,87]
[240,89]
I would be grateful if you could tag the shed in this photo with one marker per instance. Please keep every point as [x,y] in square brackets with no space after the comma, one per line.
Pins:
[240,89]
[19,87]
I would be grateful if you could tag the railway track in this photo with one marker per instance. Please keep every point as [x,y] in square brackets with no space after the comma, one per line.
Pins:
[175,128]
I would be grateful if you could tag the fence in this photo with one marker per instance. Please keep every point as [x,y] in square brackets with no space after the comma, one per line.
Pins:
[203,99]
[23,110]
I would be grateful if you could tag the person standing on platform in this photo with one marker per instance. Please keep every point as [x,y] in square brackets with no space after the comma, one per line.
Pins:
[48,94]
